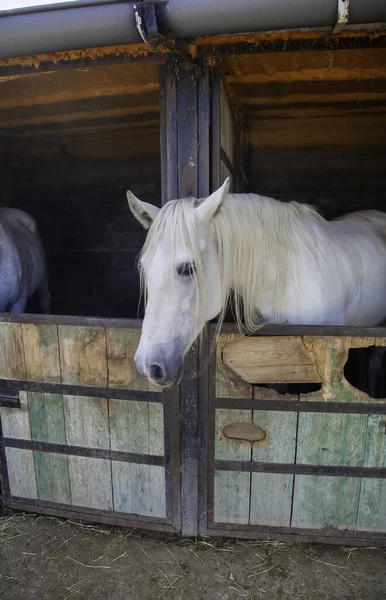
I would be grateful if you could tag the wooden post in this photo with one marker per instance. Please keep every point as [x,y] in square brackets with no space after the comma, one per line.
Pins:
[185,172]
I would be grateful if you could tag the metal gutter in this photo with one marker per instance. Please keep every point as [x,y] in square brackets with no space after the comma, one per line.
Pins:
[113,23]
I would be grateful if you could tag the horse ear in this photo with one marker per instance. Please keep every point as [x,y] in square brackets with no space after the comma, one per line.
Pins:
[144,212]
[206,211]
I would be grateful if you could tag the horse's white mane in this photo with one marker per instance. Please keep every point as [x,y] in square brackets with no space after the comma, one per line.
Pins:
[250,231]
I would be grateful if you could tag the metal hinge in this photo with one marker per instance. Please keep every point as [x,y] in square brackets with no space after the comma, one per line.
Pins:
[146,22]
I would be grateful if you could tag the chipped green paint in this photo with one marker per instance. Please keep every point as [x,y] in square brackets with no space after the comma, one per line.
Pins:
[52,477]
[46,417]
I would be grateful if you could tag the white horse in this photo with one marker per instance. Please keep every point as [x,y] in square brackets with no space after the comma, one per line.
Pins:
[22,262]
[284,262]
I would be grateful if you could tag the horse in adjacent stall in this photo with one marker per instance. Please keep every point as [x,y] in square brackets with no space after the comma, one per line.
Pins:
[22,262]
[283,261]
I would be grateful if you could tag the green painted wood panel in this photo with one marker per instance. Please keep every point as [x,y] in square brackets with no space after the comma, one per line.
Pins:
[83,355]
[12,363]
[41,349]
[280,443]
[15,422]
[271,499]
[46,417]
[139,489]
[331,439]
[372,500]
[21,473]
[136,427]
[87,421]
[231,497]
[325,501]
[52,477]
[271,494]
[90,480]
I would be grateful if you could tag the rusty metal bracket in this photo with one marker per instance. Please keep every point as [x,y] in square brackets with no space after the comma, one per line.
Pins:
[343,14]
[146,22]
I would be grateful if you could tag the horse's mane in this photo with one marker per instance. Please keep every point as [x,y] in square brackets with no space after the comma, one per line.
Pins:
[249,231]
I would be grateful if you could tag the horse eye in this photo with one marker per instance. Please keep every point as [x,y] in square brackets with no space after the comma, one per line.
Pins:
[186,269]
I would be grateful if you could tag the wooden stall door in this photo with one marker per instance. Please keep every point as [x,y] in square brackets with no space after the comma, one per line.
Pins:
[307,465]
[82,434]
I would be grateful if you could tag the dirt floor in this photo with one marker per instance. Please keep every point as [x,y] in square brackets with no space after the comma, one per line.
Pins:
[43,558]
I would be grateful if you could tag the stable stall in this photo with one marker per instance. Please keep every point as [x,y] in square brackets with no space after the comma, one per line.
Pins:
[141,102]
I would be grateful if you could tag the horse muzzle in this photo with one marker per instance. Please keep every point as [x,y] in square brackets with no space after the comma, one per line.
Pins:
[160,371]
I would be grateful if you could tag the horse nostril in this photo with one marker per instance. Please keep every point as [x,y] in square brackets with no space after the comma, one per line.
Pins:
[157,373]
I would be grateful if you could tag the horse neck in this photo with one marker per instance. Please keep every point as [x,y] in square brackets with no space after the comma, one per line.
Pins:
[258,247]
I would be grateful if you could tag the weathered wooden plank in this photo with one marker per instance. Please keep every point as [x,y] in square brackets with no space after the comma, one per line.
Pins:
[90,480]
[41,349]
[137,427]
[325,502]
[228,384]
[15,421]
[372,500]
[331,439]
[122,372]
[231,497]
[271,495]
[83,355]
[279,444]
[52,477]
[271,499]
[12,363]
[46,417]
[21,473]
[139,489]
[231,489]
[372,506]
[331,354]
[87,421]
[271,360]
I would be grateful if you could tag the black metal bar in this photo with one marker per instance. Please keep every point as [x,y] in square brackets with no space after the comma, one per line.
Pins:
[70,320]
[356,408]
[169,157]
[11,385]
[215,129]
[164,122]
[132,457]
[314,535]
[300,469]
[311,330]
[172,457]
[203,107]
[4,480]
[204,188]
[10,401]
[83,512]
[188,186]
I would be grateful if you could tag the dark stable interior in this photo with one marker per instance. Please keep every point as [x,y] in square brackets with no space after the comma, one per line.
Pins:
[72,141]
